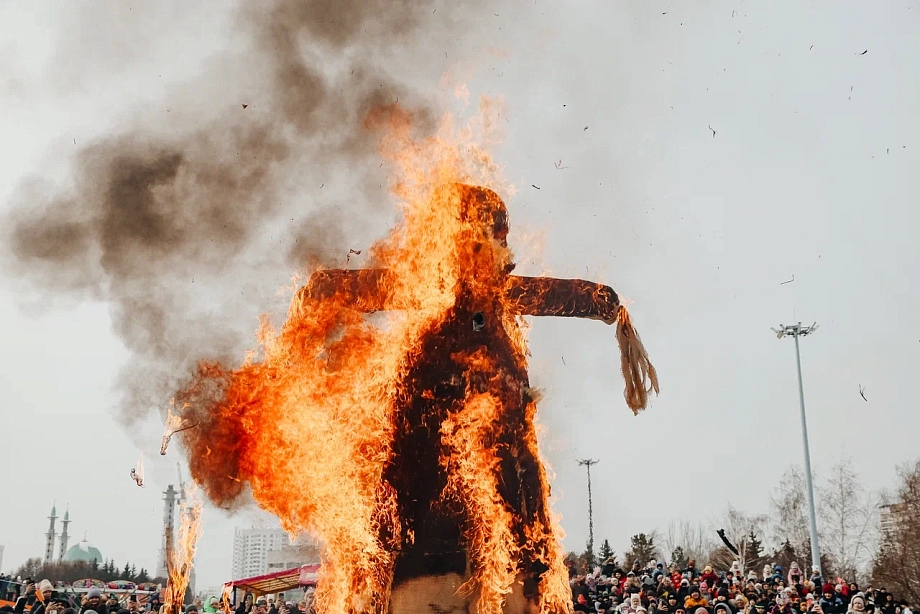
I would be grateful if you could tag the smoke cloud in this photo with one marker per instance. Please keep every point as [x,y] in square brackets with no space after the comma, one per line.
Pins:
[187,233]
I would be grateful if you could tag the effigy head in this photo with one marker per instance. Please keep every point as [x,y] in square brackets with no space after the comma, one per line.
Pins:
[484,208]
[484,242]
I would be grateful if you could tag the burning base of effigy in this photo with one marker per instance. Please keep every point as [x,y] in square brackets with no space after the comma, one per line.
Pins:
[180,551]
[406,442]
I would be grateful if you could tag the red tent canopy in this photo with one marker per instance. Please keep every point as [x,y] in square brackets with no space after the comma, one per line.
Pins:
[277,582]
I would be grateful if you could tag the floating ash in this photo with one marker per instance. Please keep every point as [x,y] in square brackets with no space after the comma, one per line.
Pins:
[407,445]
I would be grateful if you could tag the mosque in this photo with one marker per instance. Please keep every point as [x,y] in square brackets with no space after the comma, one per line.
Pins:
[82,551]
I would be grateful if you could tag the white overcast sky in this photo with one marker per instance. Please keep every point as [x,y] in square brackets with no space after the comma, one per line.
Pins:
[807,175]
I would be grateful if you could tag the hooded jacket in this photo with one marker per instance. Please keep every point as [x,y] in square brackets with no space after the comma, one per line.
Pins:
[691,604]
[834,605]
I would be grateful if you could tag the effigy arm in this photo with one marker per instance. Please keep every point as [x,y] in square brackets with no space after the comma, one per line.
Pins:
[571,298]
[576,298]
[365,290]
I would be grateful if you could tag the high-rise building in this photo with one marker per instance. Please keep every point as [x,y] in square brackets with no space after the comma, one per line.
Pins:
[891,516]
[50,535]
[303,551]
[251,548]
[1,556]
[64,537]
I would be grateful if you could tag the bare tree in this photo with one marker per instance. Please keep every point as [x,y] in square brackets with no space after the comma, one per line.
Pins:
[744,532]
[898,563]
[789,505]
[696,541]
[849,519]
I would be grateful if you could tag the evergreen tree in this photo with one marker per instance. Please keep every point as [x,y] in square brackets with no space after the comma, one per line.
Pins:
[126,572]
[679,558]
[642,548]
[589,559]
[606,551]
[143,576]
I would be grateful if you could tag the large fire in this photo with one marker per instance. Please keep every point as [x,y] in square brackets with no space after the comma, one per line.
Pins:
[405,441]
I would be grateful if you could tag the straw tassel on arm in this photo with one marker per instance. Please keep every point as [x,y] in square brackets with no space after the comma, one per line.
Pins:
[638,371]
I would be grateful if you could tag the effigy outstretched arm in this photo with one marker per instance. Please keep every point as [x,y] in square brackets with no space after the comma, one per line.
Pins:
[361,289]
[576,298]
[571,298]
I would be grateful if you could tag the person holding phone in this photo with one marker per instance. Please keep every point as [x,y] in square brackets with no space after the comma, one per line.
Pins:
[35,597]
[57,605]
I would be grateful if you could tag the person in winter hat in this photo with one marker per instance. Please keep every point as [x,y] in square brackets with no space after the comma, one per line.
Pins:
[629,606]
[830,601]
[795,574]
[94,602]
[767,572]
[816,577]
[695,599]
[721,599]
[581,604]
[704,591]
[684,591]
[709,577]
[777,573]
[783,604]
[858,603]
[35,596]
[38,596]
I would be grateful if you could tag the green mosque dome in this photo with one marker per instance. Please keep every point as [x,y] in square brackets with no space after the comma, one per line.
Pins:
[83,552]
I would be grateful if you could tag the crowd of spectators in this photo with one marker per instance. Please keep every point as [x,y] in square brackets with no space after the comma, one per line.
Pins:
[47,598]
[655,589]
[608,589]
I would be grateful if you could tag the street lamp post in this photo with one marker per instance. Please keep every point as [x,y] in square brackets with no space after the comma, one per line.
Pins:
[587,464]
[795,331]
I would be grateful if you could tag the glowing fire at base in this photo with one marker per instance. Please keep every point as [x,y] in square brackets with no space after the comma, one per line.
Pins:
[180,553]
[407,444]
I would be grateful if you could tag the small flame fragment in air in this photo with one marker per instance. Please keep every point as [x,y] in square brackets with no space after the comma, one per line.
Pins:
[137,472]
[174,424]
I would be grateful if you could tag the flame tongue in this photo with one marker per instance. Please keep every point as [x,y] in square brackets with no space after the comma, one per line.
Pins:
[180,553]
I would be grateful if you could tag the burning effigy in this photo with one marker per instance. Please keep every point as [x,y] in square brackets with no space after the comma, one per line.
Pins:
[391,415]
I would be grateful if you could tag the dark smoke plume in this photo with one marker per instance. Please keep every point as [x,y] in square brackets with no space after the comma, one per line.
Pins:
[187,233]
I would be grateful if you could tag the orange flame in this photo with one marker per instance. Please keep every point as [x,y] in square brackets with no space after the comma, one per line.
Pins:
[180,556]
[394,436]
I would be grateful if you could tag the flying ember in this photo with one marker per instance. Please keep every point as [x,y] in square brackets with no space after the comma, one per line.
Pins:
[405,440]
